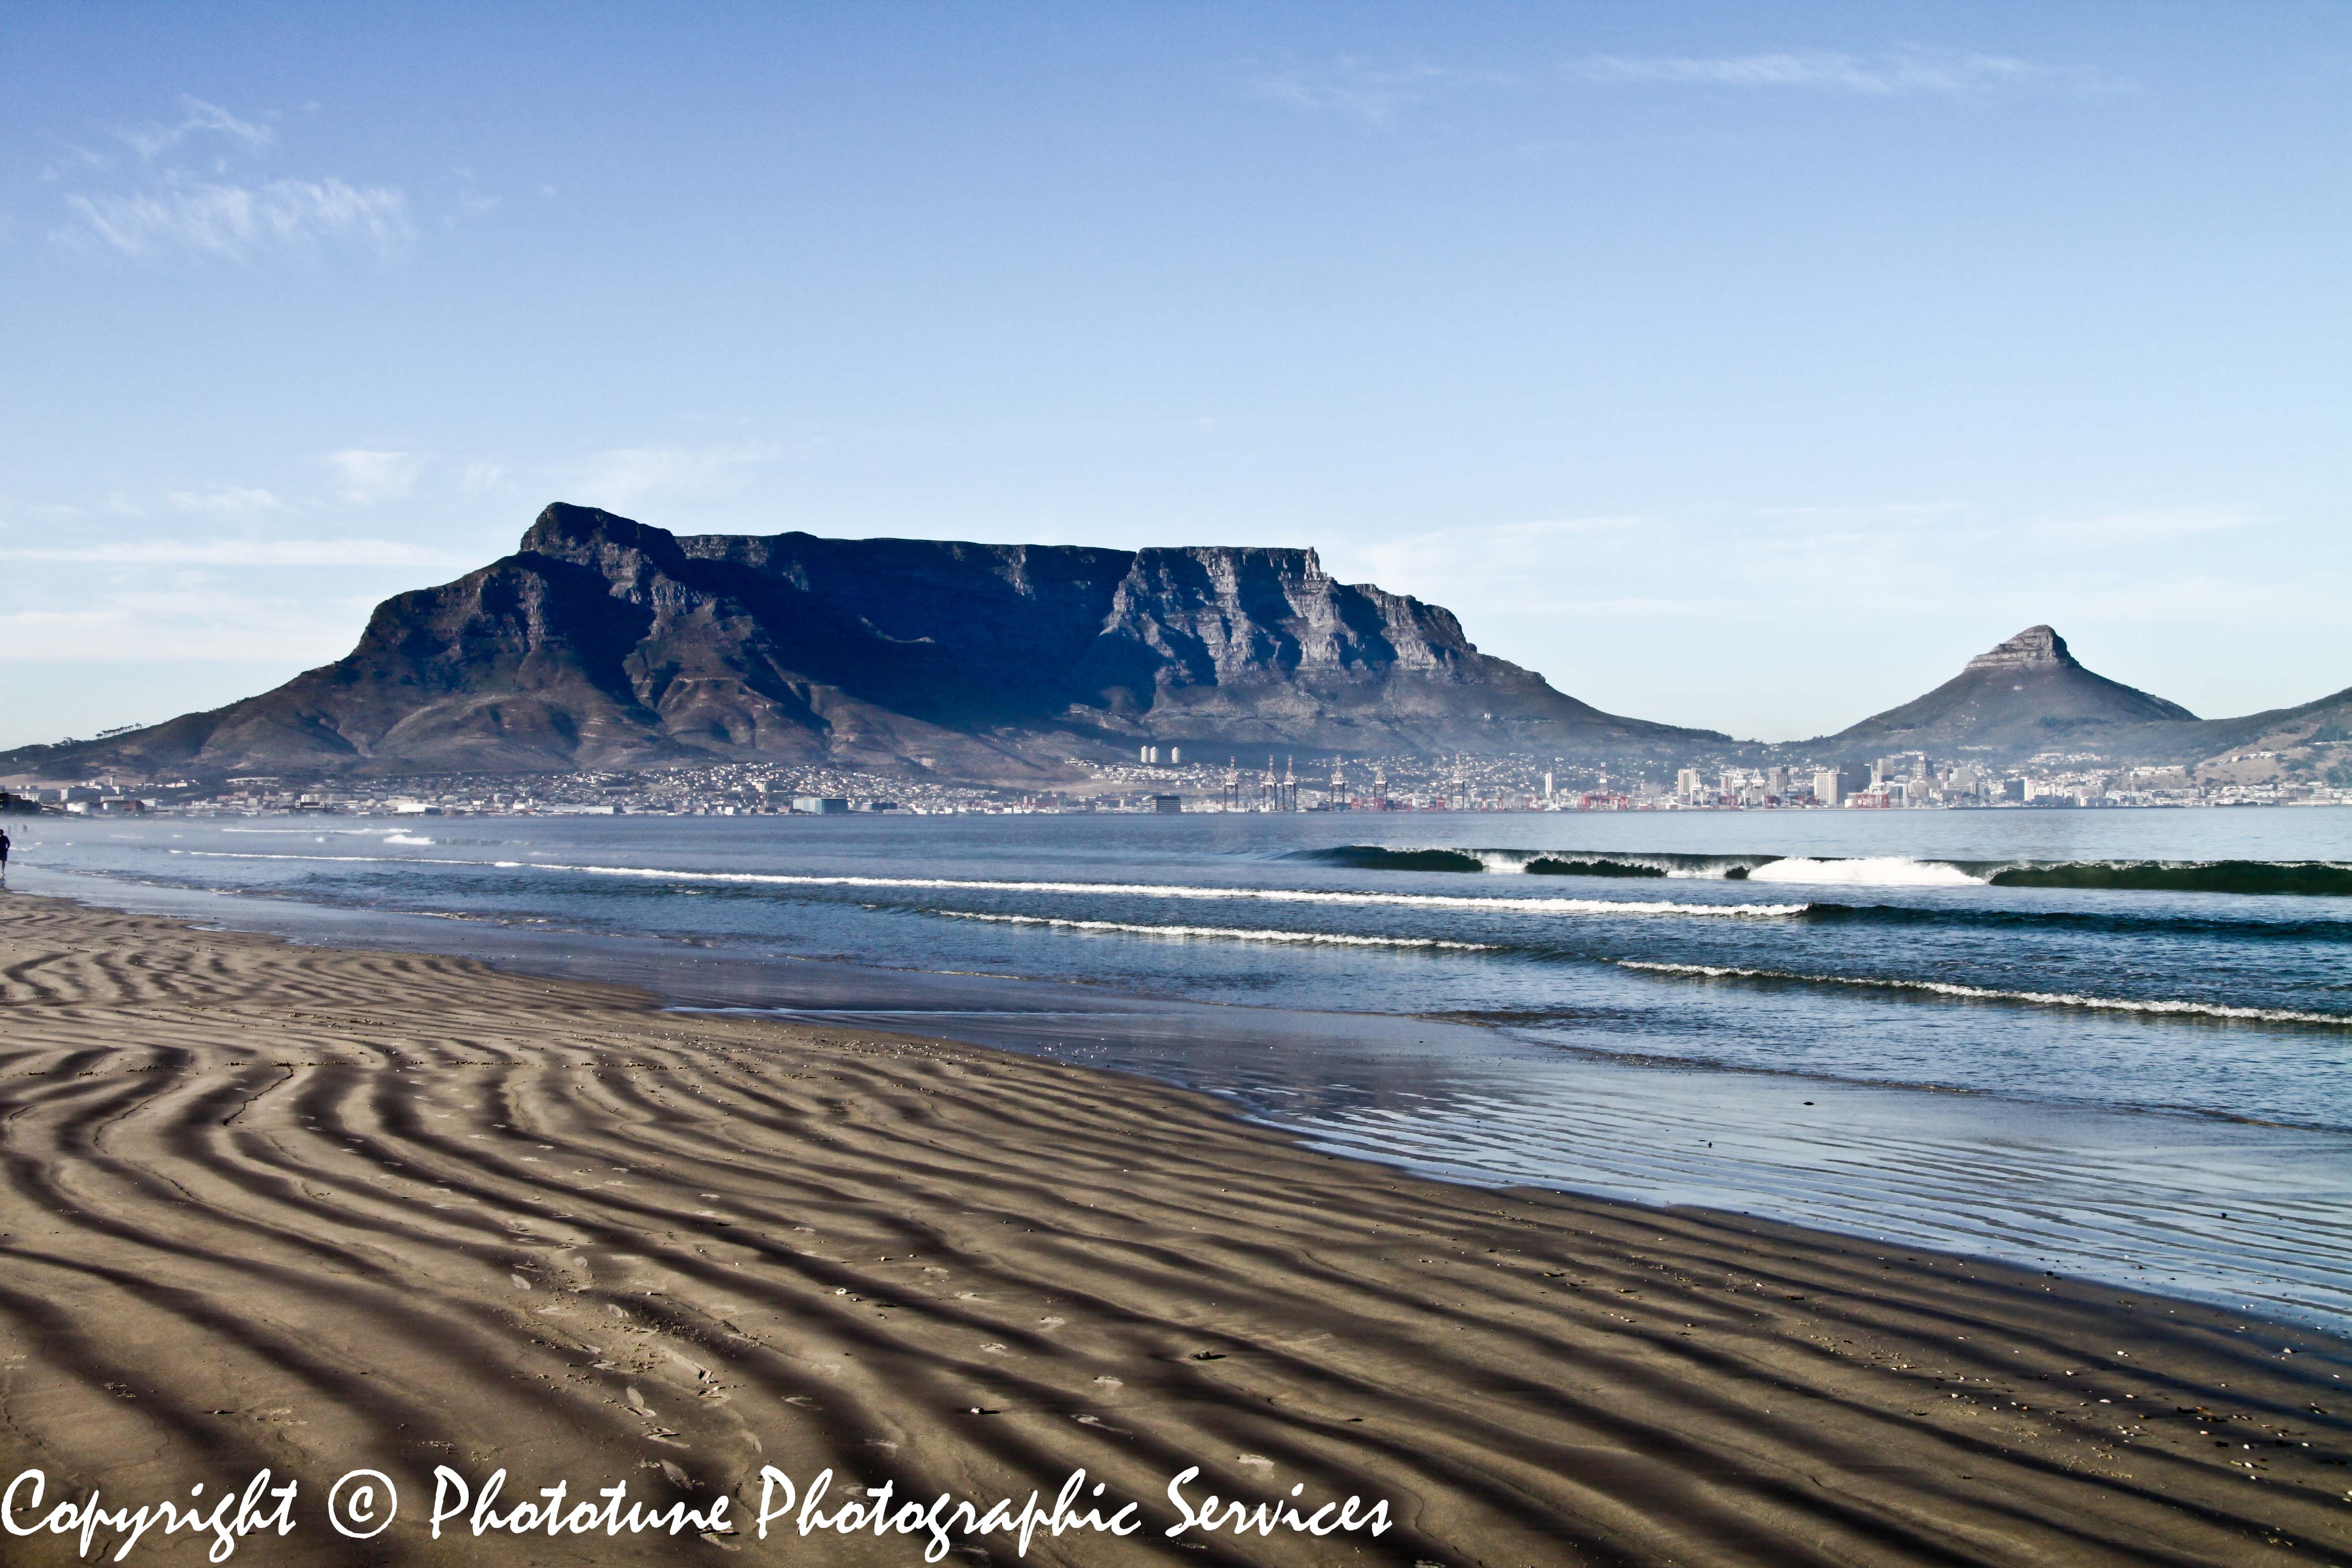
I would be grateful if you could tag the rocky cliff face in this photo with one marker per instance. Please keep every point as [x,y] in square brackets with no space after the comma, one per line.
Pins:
[2034,648]
[606,643]
[2028,694]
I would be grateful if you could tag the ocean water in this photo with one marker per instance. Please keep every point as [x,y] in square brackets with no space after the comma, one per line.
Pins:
[2111,1043]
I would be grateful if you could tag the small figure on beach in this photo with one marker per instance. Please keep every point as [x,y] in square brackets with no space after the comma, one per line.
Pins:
[4,854]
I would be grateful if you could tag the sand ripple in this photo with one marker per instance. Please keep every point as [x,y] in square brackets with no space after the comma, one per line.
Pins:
[311,1209]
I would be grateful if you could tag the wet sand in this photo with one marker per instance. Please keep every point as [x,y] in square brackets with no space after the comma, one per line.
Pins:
[317,1209]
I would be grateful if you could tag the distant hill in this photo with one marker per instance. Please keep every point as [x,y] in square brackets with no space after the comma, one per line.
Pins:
[606,643]
[2310,740]
[2029,694]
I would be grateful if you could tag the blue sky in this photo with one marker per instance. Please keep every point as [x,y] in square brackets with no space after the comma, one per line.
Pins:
[1733,366]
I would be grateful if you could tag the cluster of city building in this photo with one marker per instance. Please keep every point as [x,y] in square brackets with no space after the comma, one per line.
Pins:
[1909,779]
[1163,780]
[726,789]
[1912,780]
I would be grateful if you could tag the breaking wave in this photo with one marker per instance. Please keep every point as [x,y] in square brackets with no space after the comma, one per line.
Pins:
[1230,934]
[1189,890]
[1871,871]
[2316,879]
[1531,862]
[1121,889]
[1989,994]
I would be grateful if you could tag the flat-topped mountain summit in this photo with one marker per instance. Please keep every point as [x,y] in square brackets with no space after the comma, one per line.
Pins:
[602,642]
[2025,695]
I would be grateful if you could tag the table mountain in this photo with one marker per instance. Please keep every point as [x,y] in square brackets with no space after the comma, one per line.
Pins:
[602,642]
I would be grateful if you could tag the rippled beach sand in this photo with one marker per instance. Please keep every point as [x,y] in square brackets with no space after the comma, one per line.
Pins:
[315,1209]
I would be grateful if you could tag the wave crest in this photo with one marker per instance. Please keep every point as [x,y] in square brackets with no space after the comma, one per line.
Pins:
[1989,994]
[2312,879]
[1230,933]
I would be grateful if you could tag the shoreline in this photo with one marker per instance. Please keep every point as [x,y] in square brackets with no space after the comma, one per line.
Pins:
[2202,1207]
[2110,1199]
[273,1203]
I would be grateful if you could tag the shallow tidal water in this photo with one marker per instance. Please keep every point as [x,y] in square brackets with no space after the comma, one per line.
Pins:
[2064,1038]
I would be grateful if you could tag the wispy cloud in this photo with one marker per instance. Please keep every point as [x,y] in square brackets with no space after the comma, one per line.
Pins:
[1356,88]
[1485,568]
[237,222]
[185,194]
[625,474]
[1822,71]
[471,199]
[239,552]
[75,161]
[233,500]
[185,624]
[366,477]
[1792,621]
[199,119]
[2101,530]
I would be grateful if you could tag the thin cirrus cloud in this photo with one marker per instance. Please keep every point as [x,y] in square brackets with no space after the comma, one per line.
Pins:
[184,196]
[364,476]
[625,474]
[1822,71]
[237,553]
[235,500]
[198,119]
[1356,88]
[237,223]
[2109,530]
[185,624]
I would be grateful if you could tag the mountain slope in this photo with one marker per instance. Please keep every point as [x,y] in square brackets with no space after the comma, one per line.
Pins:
[606,643]
[2312,741]
[2029,694]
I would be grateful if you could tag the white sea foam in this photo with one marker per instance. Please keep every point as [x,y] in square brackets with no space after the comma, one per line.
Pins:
[1230,933]
[1122,889]
[306,832]
[405,838]
[1983,993]
[1874,872]
[328,860]
[1186,890]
